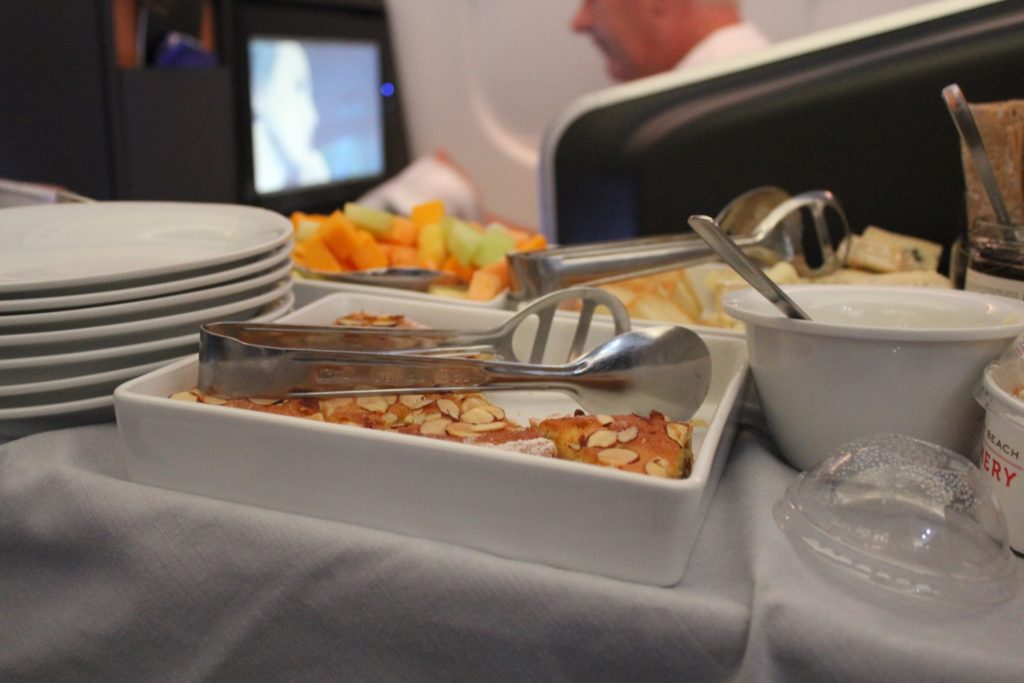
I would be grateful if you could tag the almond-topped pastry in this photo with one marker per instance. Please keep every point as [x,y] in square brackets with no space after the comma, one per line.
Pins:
[381,320]
[465,418]
[651,445]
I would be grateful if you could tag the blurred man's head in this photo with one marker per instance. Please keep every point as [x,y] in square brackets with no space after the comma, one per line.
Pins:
[644,37]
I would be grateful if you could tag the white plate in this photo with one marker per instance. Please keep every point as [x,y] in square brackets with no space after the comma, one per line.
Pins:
[74,388]
[83,338]
[566,514]
[91,361]
[73,248]
[246,268]
[74,363]
[172,304]
[17,422]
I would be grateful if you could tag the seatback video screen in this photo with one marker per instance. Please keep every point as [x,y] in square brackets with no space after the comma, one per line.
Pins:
[316,111]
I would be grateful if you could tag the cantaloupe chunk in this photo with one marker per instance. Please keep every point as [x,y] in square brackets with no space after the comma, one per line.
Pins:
[402,231]
[535,242]
[401,256]
[484,286]
[454,266]
[499,268]
[426,213]
[367,253]
[340,235]
[317,256]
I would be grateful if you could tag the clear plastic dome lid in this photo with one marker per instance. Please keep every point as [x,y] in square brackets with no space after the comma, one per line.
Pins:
[906,515]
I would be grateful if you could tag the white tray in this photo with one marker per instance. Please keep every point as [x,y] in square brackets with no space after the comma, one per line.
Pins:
[565,514]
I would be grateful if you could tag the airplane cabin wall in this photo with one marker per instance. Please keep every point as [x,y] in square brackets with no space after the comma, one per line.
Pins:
[482,79]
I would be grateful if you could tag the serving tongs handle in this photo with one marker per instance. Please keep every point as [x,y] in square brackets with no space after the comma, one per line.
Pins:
[276,373]
[498,341]
[665,369]
[778,236]
[536,273]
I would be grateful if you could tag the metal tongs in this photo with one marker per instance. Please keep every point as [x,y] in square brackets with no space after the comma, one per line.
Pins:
[779,235]
[667,369]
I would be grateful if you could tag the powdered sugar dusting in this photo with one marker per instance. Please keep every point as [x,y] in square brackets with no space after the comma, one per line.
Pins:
[536,446]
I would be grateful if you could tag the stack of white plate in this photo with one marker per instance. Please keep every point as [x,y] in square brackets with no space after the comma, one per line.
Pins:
[92,295]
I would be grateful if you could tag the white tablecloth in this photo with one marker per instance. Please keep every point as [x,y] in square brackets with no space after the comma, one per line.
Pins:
[102,579]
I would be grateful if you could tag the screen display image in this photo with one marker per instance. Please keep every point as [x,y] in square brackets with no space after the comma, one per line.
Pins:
[316,111]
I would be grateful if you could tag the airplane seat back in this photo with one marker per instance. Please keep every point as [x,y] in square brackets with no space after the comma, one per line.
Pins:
[863,117]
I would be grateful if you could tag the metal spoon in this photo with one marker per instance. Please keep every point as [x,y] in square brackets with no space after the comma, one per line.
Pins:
[723,245]
[968,128]
[667,369]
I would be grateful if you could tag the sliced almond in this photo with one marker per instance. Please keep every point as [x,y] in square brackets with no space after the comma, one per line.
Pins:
[657,467]
[448,407]
[414,401]
[460,429]
[319,417]
[678,432]
[389,418]
[185,396]
[628,434]
[384,322]
[488,427]
[435,427]
[418,417]
[602,438]
[329,406]
[214,400]
[497,411]
[616,457]
[350,322]
[264,401]
[374,404]
[473,401]
[477,416]
[605,419]
[390,399]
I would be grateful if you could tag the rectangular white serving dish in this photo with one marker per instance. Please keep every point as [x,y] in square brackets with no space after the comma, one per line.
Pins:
[565,514]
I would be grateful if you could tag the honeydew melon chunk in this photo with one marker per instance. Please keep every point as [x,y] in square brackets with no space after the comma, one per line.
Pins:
[448,291]
[305,229]
[430,247]
[496,242]
[463,241]
[446,227]
[374,221]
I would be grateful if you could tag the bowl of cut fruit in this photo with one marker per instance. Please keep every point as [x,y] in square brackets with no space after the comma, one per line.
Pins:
[428,251]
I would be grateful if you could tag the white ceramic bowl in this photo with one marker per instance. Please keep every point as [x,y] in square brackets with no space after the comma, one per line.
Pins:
[873,360]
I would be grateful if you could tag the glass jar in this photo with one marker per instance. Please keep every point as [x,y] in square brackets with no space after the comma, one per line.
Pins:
[995,259]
